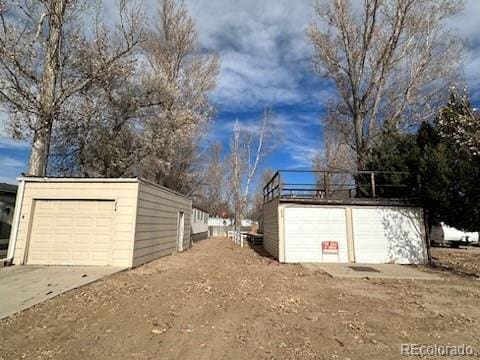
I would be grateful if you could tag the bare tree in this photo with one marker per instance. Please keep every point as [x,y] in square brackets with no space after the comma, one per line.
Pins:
[43,52]
[387,59]
[336,160]
[211,194]
[336,154]
[256,209]
[148,114]
[176,109]
[99,135]
[249,148]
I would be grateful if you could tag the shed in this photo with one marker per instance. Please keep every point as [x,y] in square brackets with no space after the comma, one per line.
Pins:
[105,222]
[199,223]
[316,223]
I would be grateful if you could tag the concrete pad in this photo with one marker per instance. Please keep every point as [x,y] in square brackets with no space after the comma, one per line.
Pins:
[24,286]
[374,271]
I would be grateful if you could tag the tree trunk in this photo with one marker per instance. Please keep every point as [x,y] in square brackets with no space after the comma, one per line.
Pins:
[43,131]
[40,147]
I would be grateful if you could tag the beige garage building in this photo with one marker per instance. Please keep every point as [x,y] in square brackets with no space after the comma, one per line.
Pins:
[103,222]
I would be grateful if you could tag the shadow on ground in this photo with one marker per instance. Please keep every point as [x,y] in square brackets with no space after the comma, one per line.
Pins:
[260,250]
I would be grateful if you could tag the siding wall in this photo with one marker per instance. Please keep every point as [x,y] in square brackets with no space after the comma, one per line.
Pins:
[124,193]
[270,228]
[156,223]
[199,221]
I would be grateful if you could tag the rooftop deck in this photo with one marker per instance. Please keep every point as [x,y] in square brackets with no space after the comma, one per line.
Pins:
[342,187]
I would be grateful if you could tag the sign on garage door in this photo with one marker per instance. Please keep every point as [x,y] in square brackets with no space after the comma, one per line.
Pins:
[71,232]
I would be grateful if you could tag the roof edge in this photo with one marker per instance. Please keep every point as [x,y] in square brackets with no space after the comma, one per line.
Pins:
[74,179]
[47,179]
[143,180]
[353,202]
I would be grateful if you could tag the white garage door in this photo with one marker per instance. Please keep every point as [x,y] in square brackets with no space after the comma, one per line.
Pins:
[388,235]
[71,232]
[307,228]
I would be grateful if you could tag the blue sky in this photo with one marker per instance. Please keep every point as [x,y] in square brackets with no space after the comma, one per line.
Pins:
[266,62]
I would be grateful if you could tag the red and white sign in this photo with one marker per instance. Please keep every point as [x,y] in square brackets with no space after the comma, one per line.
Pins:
[330,247]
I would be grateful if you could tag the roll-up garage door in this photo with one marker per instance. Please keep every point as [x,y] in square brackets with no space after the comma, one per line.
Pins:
[307,228]
[388,235]
[71,232]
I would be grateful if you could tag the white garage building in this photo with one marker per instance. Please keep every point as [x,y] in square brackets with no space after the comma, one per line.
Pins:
[107,222]
[315,228]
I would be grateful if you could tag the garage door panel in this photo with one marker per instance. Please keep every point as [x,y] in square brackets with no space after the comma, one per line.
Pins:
[64,221]
[61,238]
[80,255]
[82,221]
[83,238]
[106,206]
[87,206]
[39,255]
[43,222]
[102,240]
[306,229]
[388,235]
[67,205]
[57,255]
[103,222]
[72,232]
[99,256]
[44,205]
[42,238]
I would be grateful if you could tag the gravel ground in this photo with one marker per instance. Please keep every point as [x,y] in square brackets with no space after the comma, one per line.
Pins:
[219,301]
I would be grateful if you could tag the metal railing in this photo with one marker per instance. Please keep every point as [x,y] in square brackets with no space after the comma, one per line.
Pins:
[312,184]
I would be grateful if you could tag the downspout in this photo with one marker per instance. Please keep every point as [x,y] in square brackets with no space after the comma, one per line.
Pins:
[16,221]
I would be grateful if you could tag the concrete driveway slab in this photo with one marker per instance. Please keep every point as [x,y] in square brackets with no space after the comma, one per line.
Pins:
[377,271]
[24,286]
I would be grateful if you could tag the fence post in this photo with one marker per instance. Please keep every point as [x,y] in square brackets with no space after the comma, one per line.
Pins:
[372,178]
[325,183]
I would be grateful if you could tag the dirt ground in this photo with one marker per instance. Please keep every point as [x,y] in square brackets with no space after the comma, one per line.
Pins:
[219,301]
[463,261]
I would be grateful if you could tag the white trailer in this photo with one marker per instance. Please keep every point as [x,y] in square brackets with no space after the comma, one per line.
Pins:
[448,236]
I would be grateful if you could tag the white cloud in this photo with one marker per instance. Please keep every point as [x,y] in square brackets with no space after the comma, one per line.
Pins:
[8,143]
[302,155]
[303,140]
[9,162]
[263,49]
[265,53]
[266,56]
[467,25]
